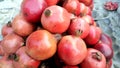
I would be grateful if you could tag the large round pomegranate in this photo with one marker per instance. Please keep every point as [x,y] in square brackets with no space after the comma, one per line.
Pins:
[41,45]
[55,19]
[72,50]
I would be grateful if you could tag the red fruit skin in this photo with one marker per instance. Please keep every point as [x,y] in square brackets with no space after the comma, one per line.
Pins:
[105,49]
[84,10]
[109,64]
[88,11]
[24,61]
[93,36]
[91,6]
[6,29]
[106,39]
[5,63]
[72,6]
[55,19]
[41,45]
[21,26]
[11,43]
[1,51]
[86,2]
[70,66]
[89,19]
[78,28]
[92,62]
[71,50]
[32,9]
[51,2]
[72,16]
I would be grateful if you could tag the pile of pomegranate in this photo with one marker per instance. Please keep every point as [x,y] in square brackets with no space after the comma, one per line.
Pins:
[55,34]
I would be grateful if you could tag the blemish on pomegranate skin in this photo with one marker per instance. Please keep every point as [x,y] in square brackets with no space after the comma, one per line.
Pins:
[96,56]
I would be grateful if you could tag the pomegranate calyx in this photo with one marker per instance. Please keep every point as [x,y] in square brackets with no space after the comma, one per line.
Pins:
[47,13]
[9,24]
[58,37]
[78,32]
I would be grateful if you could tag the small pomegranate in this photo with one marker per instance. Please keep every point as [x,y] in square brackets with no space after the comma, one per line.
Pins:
[72,6]
[11,43]
[21,26]
[106,39]
[94,59]
[78,28]
[32,9]
[105,49]
[22,60]
[94,36]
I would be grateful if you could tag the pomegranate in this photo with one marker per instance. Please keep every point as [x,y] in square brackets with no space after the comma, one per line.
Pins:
[55,19]
[71,50]
[105,49]
[11,43]
[22,60]
[72,6]
[78,28]
[106,39]
[94,59]
[93,36]
[41,45]
[21,26]
[32,9]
